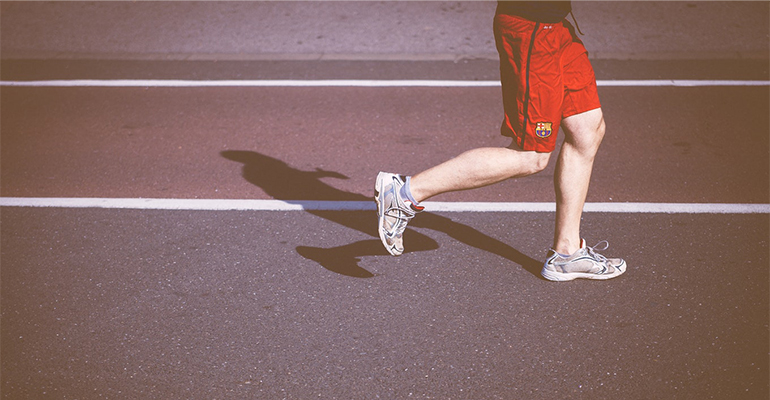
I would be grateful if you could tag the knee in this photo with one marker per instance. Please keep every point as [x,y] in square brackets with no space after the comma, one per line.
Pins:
[599,134]
[523,163]
[541,162]
[584,132]
[587,140]
[537,163]
[595,139]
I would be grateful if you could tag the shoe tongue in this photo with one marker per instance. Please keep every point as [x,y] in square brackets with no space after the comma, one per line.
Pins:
[583,244]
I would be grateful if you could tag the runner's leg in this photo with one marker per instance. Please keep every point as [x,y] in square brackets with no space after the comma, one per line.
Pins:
[476,168]
[583,134]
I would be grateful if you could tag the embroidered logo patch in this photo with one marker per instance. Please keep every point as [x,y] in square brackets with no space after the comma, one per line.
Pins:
[543,129]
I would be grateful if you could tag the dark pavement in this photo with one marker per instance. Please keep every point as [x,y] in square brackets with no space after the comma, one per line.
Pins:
[108,303]
[137,304]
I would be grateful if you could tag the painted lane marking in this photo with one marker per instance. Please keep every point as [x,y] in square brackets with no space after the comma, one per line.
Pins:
[319,205]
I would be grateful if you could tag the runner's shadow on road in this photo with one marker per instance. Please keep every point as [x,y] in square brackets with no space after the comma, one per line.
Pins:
[283,182]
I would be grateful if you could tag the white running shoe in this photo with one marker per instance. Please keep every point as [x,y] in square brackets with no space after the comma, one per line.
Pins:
[393,212]
[585,263]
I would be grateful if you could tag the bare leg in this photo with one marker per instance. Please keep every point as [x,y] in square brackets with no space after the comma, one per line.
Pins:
[476,168]
[583,134]
[489,165]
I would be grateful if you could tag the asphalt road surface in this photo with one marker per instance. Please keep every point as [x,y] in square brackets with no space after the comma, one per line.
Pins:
[112,302]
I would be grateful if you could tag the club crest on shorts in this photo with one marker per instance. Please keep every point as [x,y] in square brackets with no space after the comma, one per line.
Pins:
[543,129]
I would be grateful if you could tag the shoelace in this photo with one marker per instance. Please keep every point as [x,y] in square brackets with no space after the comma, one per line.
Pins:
[589,251]
[402,219]
[597,256]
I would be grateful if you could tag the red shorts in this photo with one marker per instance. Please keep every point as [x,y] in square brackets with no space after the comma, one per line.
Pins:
[546,76]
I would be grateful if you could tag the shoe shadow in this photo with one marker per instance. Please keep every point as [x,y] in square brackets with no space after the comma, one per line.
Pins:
[283,182]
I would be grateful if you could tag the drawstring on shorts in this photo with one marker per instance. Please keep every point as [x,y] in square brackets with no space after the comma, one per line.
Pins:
[576,24]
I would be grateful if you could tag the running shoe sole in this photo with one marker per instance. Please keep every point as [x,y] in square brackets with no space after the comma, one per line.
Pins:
[569,276]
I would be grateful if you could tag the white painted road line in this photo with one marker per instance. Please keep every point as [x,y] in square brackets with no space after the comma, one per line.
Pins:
[309,205]
[680,83]
[355,83]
